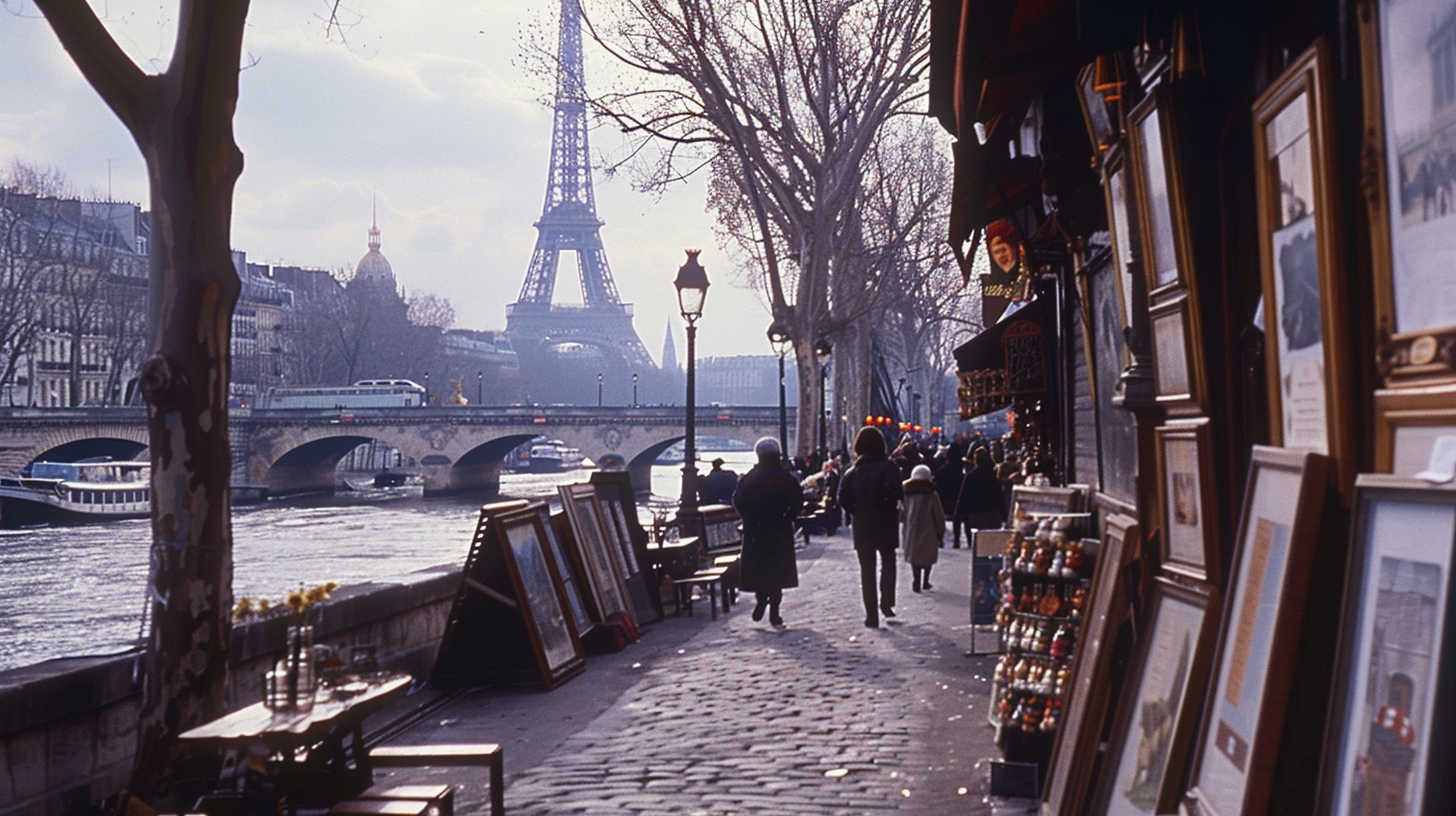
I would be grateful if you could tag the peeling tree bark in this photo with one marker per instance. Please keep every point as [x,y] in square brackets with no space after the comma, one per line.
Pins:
[181,120]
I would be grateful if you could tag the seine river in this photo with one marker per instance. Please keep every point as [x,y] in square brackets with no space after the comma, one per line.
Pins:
[69,591]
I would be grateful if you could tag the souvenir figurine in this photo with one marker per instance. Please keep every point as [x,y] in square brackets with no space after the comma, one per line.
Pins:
[1049,717]
[1072,564]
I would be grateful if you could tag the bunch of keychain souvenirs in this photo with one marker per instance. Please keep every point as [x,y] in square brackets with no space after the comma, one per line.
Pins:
[1042,595]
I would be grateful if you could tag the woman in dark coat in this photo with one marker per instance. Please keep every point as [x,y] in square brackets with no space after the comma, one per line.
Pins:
[982,504]
[870,492]
[768,497]
[948,477]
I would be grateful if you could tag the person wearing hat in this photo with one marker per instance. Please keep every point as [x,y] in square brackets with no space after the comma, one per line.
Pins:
[719,484]
[922,525]
[768,498]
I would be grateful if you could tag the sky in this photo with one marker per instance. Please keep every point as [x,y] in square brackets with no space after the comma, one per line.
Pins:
[422,108]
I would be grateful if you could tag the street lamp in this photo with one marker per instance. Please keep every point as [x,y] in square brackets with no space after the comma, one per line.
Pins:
[634,389]
[822,350]
[479,387]
[692,290]
[599,389]
[426,403]
[778,337]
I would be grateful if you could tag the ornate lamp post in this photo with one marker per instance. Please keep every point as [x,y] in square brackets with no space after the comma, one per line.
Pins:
[778,337]
[822,350]
[692,290]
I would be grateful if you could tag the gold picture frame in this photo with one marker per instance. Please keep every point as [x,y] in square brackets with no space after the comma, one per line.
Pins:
[1411,225]
[1407,424]
[1306,341]
[1178,367]
[1187,500]
[1162,224]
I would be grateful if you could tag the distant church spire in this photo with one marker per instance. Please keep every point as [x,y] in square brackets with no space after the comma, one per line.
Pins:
[669,351]
[374,226]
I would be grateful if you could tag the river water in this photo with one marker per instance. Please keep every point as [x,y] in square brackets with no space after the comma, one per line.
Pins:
[69,591]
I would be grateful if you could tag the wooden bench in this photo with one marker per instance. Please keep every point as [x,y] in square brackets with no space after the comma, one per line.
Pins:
[441,797]
[473,755]
[731,562]
[711,579]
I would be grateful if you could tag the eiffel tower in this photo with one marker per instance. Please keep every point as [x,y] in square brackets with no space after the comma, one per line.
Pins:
[556,339]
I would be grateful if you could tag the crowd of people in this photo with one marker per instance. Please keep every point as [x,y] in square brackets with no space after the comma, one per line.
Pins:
[900,499]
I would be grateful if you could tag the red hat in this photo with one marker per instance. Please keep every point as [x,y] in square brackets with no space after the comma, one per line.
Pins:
[1002,229]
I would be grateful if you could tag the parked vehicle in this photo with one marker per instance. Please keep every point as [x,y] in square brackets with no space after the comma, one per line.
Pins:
[362,394]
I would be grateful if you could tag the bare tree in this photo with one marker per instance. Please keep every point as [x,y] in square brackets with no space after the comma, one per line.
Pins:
[781,101]
[181,120]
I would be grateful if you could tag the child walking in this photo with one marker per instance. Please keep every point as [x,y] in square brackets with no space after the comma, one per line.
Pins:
[922,529]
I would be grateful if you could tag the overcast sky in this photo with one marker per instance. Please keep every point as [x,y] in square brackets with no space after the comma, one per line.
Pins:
[424,107]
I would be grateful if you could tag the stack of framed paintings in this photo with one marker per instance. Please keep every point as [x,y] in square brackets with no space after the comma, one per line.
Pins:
[600,556]
[614,491]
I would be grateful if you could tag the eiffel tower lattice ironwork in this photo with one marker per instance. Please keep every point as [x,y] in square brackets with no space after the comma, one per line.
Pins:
[569,222]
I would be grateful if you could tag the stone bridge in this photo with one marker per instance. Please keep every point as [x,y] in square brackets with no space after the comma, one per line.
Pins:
[458,449]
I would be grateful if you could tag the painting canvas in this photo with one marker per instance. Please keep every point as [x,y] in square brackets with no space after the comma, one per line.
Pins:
[1417,42]
[1147,753]
[569,584]
[536,594]
[584,514]
[1401,577]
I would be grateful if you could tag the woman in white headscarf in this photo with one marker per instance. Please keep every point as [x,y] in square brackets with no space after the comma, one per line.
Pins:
[922,525]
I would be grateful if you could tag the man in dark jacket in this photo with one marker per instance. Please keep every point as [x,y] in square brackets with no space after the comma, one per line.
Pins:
[870,492]
[768,498]
[719,484]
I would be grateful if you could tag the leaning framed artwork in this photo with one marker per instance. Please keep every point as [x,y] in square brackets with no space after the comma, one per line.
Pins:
[1069,770]
[539,595]
[1161,697]
[1395,672]
[1178,376]
[589,528]
[1408,90]
[1233,768]
[1305,336]
[1408,421]
[1189,543]
[1162,222]
[570,583]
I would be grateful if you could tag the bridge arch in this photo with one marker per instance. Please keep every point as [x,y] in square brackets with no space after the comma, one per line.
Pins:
[31,438]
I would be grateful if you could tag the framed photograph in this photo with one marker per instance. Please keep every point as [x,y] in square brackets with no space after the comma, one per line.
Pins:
[1162,222]
[1411,141]
[600,558]
[1233,767]
[1177,359]
[1069,770]
[1158,710]
[1305,324]
[1408,421]
[539,595]
[1186,497]
[570,582]
[1395,673]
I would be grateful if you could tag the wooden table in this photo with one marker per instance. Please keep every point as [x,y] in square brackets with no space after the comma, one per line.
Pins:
[676,558]
[320,732]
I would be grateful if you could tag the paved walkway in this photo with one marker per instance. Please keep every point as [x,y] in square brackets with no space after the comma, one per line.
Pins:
[822,716]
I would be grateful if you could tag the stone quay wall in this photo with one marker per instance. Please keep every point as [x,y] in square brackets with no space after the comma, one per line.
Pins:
[68,727]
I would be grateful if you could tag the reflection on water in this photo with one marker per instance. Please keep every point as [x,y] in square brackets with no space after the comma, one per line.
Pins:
[79,590]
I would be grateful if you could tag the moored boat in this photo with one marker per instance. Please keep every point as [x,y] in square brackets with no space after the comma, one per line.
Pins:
[71,492]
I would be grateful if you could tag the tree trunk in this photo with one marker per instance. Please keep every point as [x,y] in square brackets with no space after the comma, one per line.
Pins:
[182,122]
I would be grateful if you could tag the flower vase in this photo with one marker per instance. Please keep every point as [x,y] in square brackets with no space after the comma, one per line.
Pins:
[292,686]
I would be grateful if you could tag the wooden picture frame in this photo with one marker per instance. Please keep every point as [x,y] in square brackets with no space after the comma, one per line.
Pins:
[1157,712]
[1069,770]
[1233,768]
[1306,337]
[603,565]
[1389,736]
[1187,500]
[1156,160]
[1407,423]
[566,569]
[1118,189]
[1038,500]
[1101,129]
[539,595]
[1178,372]
[1411,226]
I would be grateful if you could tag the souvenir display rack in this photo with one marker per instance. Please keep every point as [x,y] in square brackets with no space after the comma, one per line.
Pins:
[1043,588]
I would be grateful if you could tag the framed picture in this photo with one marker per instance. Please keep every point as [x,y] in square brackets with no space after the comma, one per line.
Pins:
[1101,129]
[1035,500]
[1177,359]
[1121,227]
[1186,497]
[1410,143]
[1162,222]
[1161,698]
[539,595]
[1069,770]
[1408,421]
[589,528]
[570,583]
[1305,336]
[1233,767]
[1395,672]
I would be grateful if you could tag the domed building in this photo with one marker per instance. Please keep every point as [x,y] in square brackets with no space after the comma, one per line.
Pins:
[374,268]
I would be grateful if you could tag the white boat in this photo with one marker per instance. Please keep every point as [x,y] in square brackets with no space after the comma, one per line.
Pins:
[546,457]
[91,490]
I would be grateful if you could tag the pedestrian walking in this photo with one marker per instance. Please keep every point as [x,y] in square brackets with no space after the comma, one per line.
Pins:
[768,497]
[870,492]
[948,478]
[982,504]
[719,484]
[922,526]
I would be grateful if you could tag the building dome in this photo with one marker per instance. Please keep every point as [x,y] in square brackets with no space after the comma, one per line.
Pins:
[374,267]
